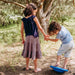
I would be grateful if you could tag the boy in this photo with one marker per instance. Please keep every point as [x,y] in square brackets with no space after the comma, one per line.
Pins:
[67,41]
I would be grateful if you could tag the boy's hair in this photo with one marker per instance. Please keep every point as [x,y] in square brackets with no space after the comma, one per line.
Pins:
[33,6]
[53,27]
[28,11]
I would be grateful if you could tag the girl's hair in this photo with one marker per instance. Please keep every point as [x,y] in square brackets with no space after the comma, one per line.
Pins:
[28,11]
[33,6]
[53,27]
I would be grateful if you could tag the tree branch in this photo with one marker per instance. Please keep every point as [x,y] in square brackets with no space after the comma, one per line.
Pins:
[13,3]
[41,4]
[59,2]
[51,11]
[27,1]
[49,7]
[66,1]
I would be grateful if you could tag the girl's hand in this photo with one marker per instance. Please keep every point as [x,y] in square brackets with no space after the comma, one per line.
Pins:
[46,38]
[23,41]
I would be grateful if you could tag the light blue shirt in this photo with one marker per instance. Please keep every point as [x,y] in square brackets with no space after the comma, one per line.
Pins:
[64,35]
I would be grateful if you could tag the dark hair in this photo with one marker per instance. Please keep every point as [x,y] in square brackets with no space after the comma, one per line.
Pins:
[28,11]
[53,27]
[33,6]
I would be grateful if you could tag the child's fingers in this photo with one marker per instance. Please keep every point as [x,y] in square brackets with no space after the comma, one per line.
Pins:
[48,35]
[46,39]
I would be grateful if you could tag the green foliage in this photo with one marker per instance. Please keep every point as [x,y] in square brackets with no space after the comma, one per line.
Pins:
[10,14]
[72,30]
[63,10]
[10,34]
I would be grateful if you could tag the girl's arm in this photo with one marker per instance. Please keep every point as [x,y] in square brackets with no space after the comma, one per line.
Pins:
[39,26]
[22,33]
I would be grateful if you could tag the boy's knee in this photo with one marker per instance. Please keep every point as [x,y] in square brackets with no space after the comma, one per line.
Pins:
[66,55]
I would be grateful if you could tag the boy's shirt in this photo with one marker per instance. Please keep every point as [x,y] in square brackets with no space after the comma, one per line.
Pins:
[64,35]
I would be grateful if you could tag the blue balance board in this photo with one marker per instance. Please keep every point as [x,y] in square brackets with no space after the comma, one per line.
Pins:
[58,69]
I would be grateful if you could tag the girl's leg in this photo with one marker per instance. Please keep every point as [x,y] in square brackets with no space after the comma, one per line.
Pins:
[27,63]
[35,66]
[65,63]
[58,60]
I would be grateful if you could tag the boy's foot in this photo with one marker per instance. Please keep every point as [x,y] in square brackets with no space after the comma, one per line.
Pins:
[64,67]
[37,70]
[57,65]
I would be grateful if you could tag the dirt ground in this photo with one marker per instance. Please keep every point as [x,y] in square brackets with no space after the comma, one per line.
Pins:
[12,63]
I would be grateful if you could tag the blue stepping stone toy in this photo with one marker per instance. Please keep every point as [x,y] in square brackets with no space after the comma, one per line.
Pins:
[58,69]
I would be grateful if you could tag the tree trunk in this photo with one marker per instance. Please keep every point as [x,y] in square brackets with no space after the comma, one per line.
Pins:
[42,13]
[42,18]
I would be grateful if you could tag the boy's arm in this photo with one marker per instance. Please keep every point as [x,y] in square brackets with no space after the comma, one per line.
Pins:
[22,33]
[39,26]
[54,40]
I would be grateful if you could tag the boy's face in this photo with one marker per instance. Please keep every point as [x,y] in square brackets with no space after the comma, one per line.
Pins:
[54,33]
[51,33]
[34,12]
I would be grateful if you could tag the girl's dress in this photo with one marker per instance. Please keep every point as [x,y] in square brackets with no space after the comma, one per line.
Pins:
[32,44]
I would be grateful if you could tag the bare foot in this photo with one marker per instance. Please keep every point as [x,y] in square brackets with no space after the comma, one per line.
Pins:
[37,70]
[27,68]
[57,65]
[30,67]
[64,67]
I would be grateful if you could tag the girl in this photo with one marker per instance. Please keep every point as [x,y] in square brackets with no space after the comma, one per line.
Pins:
[30,25]
[67,41]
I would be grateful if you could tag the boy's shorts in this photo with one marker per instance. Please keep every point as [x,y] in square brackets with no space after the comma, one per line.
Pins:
[66,49]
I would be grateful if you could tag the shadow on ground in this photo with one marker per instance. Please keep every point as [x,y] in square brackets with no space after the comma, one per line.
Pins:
[16,70]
